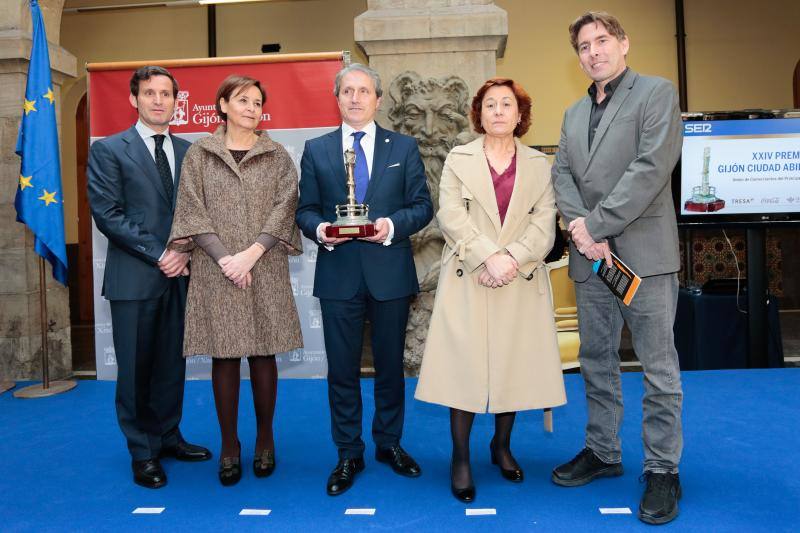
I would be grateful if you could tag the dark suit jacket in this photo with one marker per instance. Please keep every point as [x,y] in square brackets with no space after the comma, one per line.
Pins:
[621,184]
[397,190]
[131,208]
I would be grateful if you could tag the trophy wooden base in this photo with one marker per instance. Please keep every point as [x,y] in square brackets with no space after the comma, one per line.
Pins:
[352,231]
[704,207]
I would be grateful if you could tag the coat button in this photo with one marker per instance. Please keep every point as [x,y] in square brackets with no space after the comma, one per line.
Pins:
[459,272]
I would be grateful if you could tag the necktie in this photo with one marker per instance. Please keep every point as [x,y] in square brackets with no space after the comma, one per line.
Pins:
[361,172]
[162,164]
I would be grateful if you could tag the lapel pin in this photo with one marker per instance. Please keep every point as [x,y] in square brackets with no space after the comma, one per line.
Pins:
[386,140]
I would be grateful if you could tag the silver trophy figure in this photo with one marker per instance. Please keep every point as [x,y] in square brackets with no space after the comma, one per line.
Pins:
[352,219]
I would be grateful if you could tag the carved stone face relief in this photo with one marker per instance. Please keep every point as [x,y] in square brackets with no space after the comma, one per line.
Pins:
[435,111]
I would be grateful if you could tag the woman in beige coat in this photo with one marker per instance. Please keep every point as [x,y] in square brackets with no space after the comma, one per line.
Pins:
[236,202]
[492,342]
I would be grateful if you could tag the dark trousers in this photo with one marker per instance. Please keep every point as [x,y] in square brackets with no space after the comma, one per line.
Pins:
[148,341]
[343,325]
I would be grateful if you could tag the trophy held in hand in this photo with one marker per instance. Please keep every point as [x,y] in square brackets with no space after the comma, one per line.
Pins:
[352,219]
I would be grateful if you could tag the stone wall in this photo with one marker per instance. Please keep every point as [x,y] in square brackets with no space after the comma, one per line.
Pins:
[20,324]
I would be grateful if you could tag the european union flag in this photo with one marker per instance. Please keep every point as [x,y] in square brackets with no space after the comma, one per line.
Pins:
[39,201]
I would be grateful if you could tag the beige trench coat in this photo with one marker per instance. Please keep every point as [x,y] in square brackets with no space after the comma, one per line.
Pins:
[488,349]
[238,202]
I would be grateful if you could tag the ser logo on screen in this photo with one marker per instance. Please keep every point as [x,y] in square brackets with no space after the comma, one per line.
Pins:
[696,128]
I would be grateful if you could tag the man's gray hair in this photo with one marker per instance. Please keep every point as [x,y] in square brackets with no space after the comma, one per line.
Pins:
[353,67]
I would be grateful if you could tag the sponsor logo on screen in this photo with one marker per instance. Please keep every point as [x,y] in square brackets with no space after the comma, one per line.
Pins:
[693,127]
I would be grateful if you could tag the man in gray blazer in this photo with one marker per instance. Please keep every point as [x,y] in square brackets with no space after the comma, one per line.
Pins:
[612,172]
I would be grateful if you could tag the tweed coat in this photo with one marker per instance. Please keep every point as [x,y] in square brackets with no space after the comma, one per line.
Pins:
[238,202]
[488,349]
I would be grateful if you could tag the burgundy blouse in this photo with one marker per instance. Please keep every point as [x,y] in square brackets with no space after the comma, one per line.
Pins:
[504,186]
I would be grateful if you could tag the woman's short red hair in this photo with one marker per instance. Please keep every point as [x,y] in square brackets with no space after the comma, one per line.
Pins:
[524,103]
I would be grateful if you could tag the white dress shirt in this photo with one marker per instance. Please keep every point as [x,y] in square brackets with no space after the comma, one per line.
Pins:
[147,133]
[368,145]
[367,142]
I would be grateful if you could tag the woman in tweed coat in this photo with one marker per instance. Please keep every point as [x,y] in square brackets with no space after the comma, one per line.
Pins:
[235,209]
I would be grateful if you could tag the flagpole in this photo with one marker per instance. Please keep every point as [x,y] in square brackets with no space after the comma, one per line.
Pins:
[40,174]
[46,387]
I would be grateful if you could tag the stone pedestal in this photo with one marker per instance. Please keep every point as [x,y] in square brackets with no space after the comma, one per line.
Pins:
[20,324]
[432,56]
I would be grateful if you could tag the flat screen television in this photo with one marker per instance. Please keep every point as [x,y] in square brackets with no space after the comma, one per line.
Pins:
[739,168]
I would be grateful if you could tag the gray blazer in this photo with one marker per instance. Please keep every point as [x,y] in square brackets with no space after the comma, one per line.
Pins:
[622,183]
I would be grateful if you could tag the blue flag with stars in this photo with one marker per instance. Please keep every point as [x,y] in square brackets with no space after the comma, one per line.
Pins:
[39,201]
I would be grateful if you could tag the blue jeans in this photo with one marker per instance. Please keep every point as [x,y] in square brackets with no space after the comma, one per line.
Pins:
[650,318]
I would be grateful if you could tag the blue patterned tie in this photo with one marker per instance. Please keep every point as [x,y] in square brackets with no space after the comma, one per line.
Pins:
[361,172]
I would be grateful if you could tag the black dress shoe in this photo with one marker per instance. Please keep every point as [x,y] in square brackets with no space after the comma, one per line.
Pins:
[184,451]
[466,494]
[264,463]
[514,474]
[148,473]
[659,503]
[399,460]
[343,475]
[583,468]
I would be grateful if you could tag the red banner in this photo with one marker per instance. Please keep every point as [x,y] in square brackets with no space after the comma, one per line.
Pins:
[300,106]
[299,95]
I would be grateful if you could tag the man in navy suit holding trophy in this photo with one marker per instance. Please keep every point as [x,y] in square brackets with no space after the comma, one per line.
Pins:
[372,277]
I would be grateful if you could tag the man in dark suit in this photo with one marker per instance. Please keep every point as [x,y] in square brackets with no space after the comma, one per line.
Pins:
[611,176]
[133,178]
[371,278]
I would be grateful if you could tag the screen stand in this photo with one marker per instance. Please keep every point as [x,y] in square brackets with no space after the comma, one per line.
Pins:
[688,257]
[757,298]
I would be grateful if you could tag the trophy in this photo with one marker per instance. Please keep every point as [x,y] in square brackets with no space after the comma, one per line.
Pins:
[351,218]
[704,198]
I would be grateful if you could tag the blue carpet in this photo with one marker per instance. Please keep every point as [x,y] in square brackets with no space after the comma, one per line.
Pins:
[66,468]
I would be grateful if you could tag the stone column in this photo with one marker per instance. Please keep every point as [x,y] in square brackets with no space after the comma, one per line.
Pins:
[20,325]
[435,38]
[432,55]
